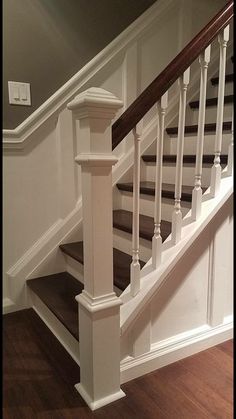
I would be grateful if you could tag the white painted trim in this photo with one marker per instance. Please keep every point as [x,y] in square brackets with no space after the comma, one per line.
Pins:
[68,341]
[175,348]
[95,304]
[53,237]
[33,250]
[101,402]
[17,138]
[151,280]
[8,306]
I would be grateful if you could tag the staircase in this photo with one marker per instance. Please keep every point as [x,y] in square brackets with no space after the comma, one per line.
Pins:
[58,291]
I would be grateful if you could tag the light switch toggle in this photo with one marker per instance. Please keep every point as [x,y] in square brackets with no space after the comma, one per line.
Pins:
[19,93]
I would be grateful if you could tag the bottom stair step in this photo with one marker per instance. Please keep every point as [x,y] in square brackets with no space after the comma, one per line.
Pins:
[58,293]
[121,262]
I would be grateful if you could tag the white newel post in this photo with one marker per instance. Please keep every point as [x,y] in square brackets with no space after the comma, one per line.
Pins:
[99,307]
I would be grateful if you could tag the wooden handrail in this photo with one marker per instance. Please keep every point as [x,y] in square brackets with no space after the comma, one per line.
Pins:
[135,112]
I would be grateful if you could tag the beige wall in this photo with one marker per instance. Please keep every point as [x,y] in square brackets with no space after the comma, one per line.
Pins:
[45,42]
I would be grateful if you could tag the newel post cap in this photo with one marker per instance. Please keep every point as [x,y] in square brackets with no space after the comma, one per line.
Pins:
[95,102]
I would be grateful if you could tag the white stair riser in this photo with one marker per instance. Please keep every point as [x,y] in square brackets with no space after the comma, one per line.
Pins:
[147,206]
[208,148]
[123,241]
[76,269]
[210,115]
[168,174]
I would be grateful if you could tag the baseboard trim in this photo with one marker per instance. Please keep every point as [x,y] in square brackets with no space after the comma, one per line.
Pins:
[178,347]
[101,402]
[8,306]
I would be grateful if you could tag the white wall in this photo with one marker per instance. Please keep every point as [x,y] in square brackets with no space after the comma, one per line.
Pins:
[196,294]
[41,193]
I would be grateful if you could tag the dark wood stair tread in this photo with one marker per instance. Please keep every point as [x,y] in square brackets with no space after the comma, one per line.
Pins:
[228,78]
[168,190]
[58,293]
[192,129]
[212,101]
[74,250]
[121,262]
[122,220]
[187,159]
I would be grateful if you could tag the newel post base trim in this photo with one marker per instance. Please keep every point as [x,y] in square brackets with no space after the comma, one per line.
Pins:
[101,402]
[99,326]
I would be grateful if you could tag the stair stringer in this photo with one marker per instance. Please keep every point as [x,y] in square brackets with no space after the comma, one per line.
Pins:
[213,325]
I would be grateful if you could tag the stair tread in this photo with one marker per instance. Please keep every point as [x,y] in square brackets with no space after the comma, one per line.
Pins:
[188,159]
[121,262]
[212,101]
[191,129]
[58,293]
[122,220]
[228,78]
[168,190]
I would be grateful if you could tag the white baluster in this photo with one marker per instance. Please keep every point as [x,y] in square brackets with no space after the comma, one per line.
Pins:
[216,168]
[204,60]
[231,150]
[135,265]
[177,214]
[157,239]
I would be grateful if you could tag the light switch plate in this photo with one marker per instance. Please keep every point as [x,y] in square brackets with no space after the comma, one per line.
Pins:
[19,93]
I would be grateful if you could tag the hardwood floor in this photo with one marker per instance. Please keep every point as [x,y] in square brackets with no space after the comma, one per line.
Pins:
[39,375]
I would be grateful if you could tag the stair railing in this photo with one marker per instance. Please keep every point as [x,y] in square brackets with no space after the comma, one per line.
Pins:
[93,112]
[156,93]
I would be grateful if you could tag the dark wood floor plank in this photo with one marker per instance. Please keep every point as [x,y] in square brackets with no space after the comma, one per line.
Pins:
[164,395]
[212,372]
[227,347]
[39,378]
[200,393]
